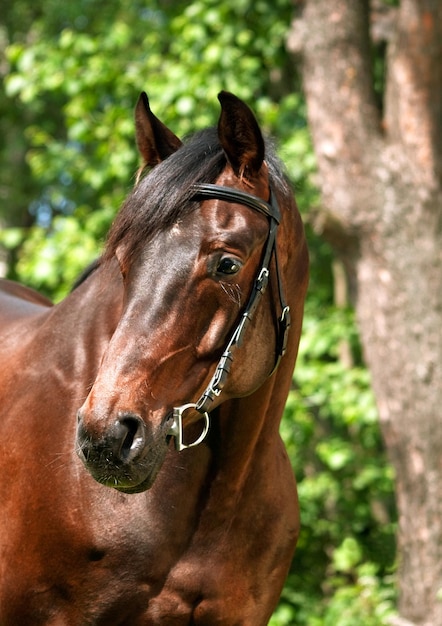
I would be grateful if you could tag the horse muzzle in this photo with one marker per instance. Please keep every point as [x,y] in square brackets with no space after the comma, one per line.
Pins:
[126,455]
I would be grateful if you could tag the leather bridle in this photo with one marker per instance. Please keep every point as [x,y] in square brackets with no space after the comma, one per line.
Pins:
[222,370]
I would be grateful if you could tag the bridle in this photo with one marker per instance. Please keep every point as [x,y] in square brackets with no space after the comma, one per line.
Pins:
[222,370]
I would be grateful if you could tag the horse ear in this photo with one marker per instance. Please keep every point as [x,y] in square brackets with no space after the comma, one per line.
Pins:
[240,136]
[154,140]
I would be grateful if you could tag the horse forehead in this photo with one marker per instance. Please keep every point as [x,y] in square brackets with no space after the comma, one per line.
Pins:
[215,221]
[176,247]
[228,217]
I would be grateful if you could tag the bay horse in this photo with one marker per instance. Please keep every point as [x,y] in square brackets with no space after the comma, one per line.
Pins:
[144,480]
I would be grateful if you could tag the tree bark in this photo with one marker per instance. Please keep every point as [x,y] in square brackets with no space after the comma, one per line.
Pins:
[381,182]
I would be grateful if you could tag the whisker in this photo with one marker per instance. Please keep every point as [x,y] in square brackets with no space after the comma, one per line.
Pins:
[233,292]
[57,456]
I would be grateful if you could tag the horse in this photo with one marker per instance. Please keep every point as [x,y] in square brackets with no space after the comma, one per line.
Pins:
[144,480]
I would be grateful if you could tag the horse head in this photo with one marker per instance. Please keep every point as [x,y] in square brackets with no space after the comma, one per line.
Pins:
[192,241]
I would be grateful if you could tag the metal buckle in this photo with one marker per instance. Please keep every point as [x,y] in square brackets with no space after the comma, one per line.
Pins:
[262,280]
[176,430]
[284,321]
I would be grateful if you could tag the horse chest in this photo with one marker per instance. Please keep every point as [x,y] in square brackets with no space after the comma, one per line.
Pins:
[132,571]
[211,592]
[121,588]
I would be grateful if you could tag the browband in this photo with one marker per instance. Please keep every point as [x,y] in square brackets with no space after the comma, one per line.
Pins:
[217,192]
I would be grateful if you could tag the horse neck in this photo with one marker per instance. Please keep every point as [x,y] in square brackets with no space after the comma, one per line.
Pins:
[246,431]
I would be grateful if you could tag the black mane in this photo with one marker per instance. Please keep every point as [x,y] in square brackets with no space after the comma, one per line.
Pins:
[165,194]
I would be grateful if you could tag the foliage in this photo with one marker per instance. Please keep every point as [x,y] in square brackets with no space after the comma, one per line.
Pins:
[78,87]
[72,78]
[343,570]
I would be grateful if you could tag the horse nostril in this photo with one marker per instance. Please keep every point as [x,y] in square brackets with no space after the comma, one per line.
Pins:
[123,443]
[129,436]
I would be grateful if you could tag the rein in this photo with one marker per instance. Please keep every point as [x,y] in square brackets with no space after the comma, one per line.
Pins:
[222,370]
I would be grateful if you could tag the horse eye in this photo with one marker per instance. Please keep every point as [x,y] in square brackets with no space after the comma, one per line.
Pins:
[228,266]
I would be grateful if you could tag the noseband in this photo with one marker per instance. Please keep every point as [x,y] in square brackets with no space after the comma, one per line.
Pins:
[218,380]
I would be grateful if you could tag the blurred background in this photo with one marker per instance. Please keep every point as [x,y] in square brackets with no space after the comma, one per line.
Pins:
[71,75]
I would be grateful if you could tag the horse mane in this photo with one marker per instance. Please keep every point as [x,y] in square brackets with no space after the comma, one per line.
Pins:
[90,269]
[165,195]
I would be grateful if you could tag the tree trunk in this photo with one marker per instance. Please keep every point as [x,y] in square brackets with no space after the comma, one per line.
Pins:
[381,181]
